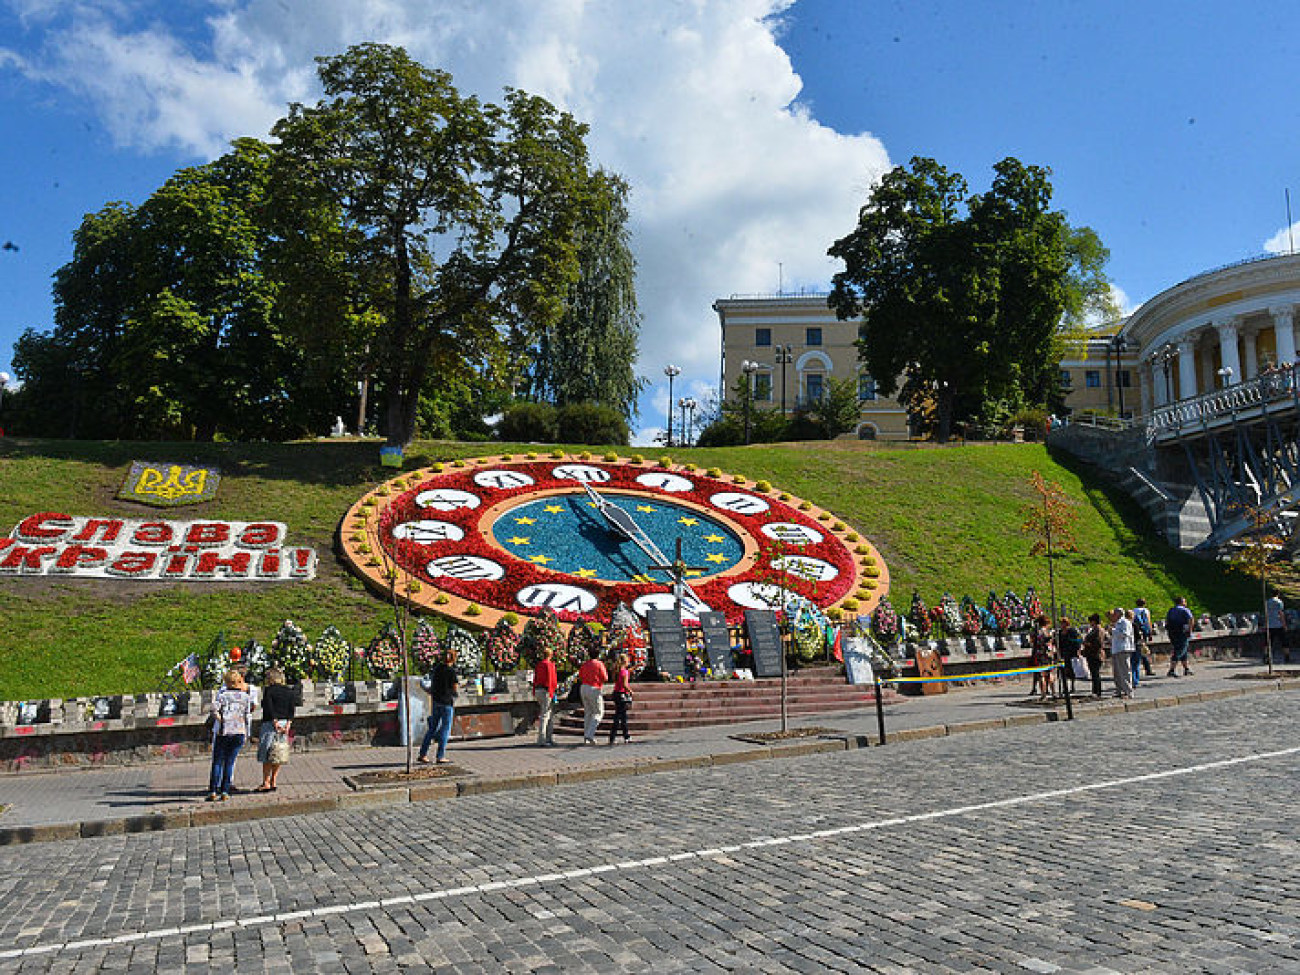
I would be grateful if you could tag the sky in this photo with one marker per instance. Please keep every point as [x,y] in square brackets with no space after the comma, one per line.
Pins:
[751,131]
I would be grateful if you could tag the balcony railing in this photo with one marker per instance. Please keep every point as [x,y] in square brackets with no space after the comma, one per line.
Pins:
[1268,388]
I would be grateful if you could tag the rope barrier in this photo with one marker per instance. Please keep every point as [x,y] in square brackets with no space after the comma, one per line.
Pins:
[984,676]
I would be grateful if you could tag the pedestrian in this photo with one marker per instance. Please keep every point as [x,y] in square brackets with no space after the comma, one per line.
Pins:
[622,697]
[1069,641]
[1142,634]
[1094,651]
[545,681]
[442,706]
[1275,610]
[1041,654]
[1122,647]
[592,677]
[232,710]
[273,740]
[1178,624]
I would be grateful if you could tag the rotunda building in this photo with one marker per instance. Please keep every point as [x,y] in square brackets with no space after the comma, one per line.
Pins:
[1216,329]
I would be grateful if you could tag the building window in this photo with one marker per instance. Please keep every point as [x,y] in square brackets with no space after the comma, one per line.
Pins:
[1124,377]
[1067,381]
[812,336]
[866,388]
[763,387]
[1092,379]
[812,387]
[762,336]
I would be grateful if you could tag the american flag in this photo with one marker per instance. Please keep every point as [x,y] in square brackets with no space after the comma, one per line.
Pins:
[190,669]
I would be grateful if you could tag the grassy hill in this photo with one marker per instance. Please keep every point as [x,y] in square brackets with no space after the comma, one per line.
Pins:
[945,519]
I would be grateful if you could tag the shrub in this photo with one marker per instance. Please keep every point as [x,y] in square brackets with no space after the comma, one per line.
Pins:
[528,422]
[590,423]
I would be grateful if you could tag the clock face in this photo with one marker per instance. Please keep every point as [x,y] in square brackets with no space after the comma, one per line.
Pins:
[508,534]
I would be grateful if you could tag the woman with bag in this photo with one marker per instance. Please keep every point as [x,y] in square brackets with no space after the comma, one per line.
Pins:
[1070,642]
[277,715]
[232,710]
[1040,654]
[622,698]
[1094,650]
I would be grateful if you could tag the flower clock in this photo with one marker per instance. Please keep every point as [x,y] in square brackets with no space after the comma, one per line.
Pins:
[482,537]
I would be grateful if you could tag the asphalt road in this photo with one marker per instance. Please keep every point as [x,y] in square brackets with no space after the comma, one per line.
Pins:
[1157,841]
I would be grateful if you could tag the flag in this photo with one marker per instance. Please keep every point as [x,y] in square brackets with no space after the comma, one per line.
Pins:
[190,669]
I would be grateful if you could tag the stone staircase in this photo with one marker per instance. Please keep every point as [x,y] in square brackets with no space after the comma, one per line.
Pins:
[669,706]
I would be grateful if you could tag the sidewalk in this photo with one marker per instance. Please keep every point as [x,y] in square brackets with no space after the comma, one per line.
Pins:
[52,805]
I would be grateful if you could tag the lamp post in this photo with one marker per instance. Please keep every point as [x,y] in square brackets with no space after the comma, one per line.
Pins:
[1116,347]
[784,354]
[684,404]
[1225,377]
[672,372]
[748,368]
[1165,357]
[4,384]
[691,405]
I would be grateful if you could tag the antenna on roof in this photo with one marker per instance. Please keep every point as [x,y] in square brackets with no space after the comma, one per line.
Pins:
[1290,240]
[780,278]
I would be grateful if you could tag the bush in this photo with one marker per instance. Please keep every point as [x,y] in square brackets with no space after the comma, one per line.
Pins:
[528,423]
[590,423]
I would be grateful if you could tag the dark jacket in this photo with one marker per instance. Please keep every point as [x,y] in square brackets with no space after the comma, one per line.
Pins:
[442,684]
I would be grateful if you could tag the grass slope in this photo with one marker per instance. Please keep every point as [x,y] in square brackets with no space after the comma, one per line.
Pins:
[946,519]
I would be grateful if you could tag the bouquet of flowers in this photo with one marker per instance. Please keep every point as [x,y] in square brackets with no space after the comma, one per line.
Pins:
[330,654]
[626,636]
[469,655]
[425,646]
[540,633]
[952,621]
[988,620]
[214,671]
[937,622]
[503,647]
[1001,616]
[1032,604]
[970,617]
[384,655]
[919,617]
[1019,621]
[254,657]
[582,639]
[884,622]
[291,651]
[810,638]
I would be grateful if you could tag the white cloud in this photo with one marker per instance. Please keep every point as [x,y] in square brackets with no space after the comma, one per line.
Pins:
[1284,241]
[694,101]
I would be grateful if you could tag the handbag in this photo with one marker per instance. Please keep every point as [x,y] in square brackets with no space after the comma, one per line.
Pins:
[279,753]
[1080,667]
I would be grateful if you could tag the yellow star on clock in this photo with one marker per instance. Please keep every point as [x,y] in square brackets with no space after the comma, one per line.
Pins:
[554,509]
[586,573]
[592,504]
[646,507]
[524,521]
[715,557]
[517,540]
[694,572]
[688,521]
[714,539]
[540,559]
[639,577]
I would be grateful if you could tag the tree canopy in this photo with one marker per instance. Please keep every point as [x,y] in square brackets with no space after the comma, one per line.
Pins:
[967,300]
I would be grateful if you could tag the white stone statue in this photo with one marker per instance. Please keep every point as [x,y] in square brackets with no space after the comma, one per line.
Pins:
[339,430]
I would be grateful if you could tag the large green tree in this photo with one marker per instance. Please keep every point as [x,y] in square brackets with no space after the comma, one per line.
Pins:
[966,300]
[466,212]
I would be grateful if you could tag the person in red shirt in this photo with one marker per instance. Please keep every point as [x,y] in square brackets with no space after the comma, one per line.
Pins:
[545,681]
[593,677]
[622,698]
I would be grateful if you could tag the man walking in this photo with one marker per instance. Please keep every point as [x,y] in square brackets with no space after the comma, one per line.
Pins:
[1178,624]
[1277,625]
[1142,633]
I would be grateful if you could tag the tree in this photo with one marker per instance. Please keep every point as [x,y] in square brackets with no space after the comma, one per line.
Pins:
[586,356]
[468,212]
[1049,520]
[965,311]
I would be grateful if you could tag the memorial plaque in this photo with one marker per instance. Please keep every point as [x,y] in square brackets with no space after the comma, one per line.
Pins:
[765,641]
[667,641]
[857,662]
[717,642]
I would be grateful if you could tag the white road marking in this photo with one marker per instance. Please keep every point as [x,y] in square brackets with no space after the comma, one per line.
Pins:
[708,853]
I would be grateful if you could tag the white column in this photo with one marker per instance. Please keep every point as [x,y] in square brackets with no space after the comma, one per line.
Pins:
[1186,369]
[1156,369]
[1146,372]
[1229,359]
[1284,331]
[1251,365]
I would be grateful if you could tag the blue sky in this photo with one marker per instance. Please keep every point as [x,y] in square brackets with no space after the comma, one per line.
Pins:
[751,130]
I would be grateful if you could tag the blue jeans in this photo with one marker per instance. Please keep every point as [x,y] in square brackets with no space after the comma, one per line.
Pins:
[1178,650]
[1137,665]
[439,727]
[225,749]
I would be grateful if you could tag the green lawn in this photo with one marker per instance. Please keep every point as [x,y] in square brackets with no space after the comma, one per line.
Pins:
[944,519]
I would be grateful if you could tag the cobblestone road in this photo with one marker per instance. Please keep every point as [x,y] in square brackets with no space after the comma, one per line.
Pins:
[1157,841]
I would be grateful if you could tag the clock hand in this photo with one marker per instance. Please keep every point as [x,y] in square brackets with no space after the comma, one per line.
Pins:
[626,525]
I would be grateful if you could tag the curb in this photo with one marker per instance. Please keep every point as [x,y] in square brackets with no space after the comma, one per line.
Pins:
[437,790]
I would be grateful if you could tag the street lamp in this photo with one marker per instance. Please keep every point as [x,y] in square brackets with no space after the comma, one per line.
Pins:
[1225,377]
[1165,357]
[784,354]
[4,384]
[1117,346]
[748,368]
[684,404]
[690,419]
[672,372]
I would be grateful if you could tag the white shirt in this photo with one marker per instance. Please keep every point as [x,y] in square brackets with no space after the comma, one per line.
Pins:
[1121,636]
